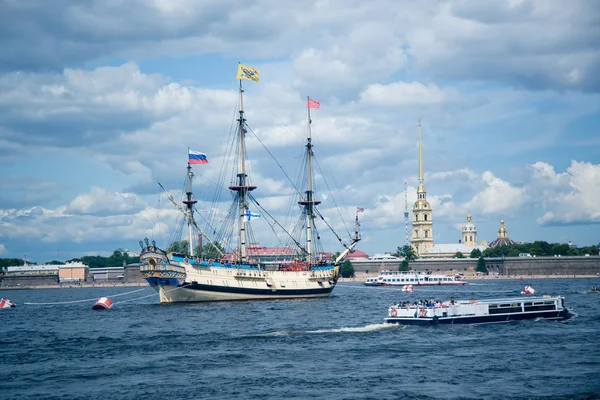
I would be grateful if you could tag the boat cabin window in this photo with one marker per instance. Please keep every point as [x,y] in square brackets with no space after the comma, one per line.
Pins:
[504,308]
[540,306]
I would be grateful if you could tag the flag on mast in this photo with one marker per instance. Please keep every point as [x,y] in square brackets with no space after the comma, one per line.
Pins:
[360,209]
[195,157]
[249,216]
[313,103]
[246,72]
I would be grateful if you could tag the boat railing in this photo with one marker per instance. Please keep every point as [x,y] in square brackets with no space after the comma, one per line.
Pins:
[162,267]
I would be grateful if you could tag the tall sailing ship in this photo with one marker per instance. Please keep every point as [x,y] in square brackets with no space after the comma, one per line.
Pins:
[233,272]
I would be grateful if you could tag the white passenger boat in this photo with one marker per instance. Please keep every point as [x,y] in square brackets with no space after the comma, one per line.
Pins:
[402,278]
[478,311]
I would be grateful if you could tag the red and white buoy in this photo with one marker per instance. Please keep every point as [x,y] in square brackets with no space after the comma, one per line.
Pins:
[528,290]
[407,288]
[103,303]
[6,303]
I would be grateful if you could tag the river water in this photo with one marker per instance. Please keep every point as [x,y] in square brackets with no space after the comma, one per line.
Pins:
[334,348]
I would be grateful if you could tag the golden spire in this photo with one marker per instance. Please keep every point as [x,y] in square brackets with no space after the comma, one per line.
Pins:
[502,231]
[421,188]
[468,217]
[420,154]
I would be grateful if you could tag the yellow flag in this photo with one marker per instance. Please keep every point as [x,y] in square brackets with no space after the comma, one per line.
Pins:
[245,72]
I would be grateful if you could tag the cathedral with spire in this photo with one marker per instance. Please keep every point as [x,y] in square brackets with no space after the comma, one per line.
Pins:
[422,223]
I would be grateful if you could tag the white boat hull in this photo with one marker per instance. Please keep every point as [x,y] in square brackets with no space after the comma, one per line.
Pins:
[184,294]
[402,278]
[458,283]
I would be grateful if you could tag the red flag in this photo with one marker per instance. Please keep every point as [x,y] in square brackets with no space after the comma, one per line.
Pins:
[313,103]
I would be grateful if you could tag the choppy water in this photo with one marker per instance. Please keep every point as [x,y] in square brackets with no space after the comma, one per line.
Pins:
[334,348]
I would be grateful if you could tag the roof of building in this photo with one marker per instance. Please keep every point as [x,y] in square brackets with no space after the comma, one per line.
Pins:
[502,242]
[269,251]
[73,264]
[357,255]
[256,250]
[31,268]
[385,256]
[451,248]
[502,239]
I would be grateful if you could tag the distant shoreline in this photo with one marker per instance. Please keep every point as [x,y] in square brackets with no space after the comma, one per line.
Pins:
[362,276]
[75,286]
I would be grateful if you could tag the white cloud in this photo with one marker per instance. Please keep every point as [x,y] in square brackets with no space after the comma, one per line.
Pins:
[2,249]
[497,196]
[535,44]
[570,197]
[460,174]
[59,226]
[407,94]
[376,67]
[99,202]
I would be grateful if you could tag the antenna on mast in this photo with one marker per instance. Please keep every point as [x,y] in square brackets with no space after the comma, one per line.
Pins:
[405,214]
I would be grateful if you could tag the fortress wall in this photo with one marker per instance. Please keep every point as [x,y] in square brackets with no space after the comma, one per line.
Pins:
[449,264]
[133,274]
[25,280]
[552,265]
[506,266]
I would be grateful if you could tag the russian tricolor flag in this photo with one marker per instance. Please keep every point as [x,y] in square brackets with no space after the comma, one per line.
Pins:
[197,158]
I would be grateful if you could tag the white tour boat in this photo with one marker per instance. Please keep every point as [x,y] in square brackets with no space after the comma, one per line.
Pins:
[402,278]
[477,311]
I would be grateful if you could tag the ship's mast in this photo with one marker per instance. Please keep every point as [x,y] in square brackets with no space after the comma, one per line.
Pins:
[189,203]
[241,186]
[309,202]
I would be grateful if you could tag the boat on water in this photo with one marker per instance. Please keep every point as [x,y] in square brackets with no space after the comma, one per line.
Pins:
[6,303]
[229,271]
[433,312]
[415,278]
[528,289]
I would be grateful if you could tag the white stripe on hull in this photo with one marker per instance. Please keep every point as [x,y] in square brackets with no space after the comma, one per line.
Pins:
[169,294]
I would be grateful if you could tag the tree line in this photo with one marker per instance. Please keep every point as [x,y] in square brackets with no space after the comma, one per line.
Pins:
[116,259]
[537,248]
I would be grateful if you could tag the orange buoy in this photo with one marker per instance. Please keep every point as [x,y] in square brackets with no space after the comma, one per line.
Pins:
[103,303]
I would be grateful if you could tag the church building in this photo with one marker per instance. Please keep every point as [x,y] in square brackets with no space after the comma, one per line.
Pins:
[502,239]
[422,224]
[465,245]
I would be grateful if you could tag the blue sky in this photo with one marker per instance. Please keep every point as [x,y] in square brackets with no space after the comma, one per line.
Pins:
[100,100]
